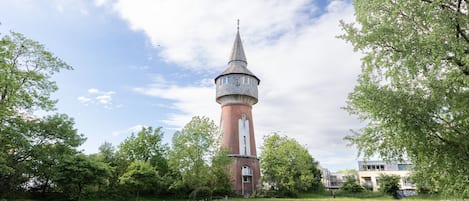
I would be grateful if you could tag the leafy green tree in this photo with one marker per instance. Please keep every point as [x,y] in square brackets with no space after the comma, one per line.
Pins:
[287,167]
[350,185]
[34,148]
[54,140]
[413,90]
[140,176]
[78,172]
[147,145]
[194,155]
[220,181]
[118,163]
[26,68]
[389,184]
[25,86]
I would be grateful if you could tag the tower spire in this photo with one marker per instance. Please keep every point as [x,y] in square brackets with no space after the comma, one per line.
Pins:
[237,53]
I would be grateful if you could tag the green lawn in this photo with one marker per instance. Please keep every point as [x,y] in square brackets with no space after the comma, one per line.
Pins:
[318,198]
[306,197]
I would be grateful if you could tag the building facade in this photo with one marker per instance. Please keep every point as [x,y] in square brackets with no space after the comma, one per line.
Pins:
[236,92]
[369,172]
[334,180]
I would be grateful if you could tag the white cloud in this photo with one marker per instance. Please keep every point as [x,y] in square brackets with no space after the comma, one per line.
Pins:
[133,129]
[93,90]
[98,97]
[305,71]
[101,2]
[84,100]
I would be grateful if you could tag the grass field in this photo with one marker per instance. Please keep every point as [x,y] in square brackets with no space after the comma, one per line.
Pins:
[315,197]
[303,197]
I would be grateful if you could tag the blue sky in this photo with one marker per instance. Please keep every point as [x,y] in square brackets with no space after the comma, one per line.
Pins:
[152,63]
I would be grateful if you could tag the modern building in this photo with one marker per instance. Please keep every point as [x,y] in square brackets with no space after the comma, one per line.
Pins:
[369,172]
[236,91]
[334,180]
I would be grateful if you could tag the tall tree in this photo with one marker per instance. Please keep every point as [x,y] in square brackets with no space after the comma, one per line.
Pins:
[78,172]
[26,68]
[34,148]
[25,86]
[194,154]
[146,146]
[140,176]
[287,167]
[413,90]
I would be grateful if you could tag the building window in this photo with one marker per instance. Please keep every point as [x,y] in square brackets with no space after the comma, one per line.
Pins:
[225,80]
[246,179]
[367,182]
[246,80]
[403,166]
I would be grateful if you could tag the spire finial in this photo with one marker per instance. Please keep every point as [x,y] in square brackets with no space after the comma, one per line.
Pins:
[238,25]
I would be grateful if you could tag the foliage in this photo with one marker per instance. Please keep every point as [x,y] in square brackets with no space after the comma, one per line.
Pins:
[140,176]
[389,184]
[350,185]
[287,167]
[220,181]
[78,172]
[26,68]
[413,91]
[201,193]
[146,146]
[32,150]
[30,147]
[195,157]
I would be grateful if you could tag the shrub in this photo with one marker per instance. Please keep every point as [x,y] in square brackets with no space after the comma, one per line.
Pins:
[201,193]
[389,184]
[351,185]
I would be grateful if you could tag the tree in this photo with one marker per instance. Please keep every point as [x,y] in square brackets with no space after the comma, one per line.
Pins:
[146,146]
[350,185]
[220,181]
[26,68]
[413,90]
[25,85]
[34,148]
[389,184]
[140,176]
[287,167]
[78,172]
[194,155]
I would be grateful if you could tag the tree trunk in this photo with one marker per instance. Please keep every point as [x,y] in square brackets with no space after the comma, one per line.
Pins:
[79,191]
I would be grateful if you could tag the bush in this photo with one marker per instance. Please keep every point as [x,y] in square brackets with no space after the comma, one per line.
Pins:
[351,185]
[201,193]
[389,184]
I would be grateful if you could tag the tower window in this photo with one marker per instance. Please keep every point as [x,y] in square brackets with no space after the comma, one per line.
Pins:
[245,145]
[225,80]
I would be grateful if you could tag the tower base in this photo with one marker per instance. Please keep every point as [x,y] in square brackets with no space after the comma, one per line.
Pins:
[246,175]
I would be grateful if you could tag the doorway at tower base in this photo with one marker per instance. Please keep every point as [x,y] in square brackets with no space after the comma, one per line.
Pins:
[245,175]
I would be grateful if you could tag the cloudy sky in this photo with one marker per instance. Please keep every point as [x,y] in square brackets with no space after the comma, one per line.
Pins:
[152,63]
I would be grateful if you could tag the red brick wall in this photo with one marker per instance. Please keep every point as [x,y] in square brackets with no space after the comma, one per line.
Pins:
[231,113]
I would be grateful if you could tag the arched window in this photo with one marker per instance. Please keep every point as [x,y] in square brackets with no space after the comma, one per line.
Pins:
[246,173]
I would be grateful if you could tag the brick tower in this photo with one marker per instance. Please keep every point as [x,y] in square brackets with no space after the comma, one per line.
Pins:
[236,92]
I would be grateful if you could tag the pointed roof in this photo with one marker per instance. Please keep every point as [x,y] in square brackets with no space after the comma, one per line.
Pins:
[238,62]
[237,52]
